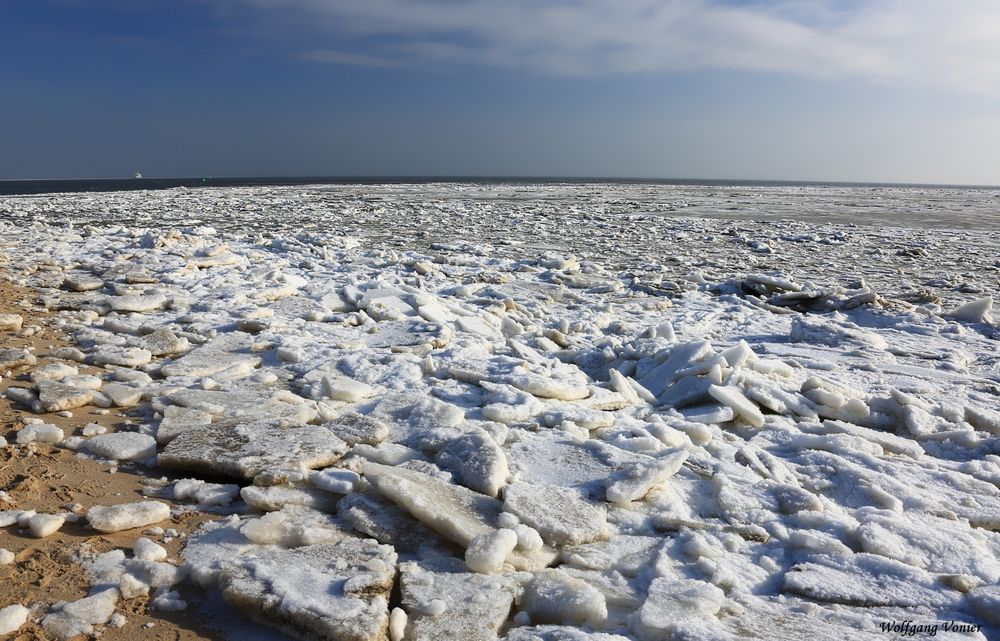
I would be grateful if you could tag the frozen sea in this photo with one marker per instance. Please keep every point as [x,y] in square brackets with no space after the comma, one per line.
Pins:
[545,410]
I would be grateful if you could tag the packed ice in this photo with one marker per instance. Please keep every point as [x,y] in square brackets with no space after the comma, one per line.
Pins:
[549,412]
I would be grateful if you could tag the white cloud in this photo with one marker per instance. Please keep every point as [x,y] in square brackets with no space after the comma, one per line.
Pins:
[953,43]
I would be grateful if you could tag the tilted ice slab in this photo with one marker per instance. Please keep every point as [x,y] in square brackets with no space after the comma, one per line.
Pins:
[246,448]
[477,462]
[456,513]
[865,579]
[370,514]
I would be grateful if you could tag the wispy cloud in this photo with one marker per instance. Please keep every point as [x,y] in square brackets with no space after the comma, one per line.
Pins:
[924,42]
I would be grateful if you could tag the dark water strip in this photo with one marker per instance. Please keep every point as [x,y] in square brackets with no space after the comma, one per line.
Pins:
[28,187]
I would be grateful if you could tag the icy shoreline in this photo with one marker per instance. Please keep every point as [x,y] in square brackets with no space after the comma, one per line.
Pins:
[535,447]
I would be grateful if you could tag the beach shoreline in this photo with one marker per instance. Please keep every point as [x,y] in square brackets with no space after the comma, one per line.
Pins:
[51,479]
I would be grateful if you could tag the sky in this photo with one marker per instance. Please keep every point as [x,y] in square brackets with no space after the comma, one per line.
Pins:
[837,90]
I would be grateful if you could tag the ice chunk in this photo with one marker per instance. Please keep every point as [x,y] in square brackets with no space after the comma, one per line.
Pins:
[983,419]
[205,493]
[454,512]
[82,283]
[24,396]
[220,356]
[588,419]
[397,624]
[487,552]
[835,334]
[624,553]
[553,596]
[134,303]
[677,358]
[816,541]
[122,446]
[213,545]
[275,497]
[12,618]
[387,453]
[40,432]
[93,429]
[690,390]
[293,526]
[477,462]
[341,388]
[57,397]
[628,388]
[123,356]
[335,302]
[560,515]
[16,357]
[708,414]
[122,395]
[43,525]
[146,550]
[164,342]
[330,591]
[928,542]
[245,448]
[740,404]
[544,387]
[335,480]
[354,428]
[168,601]
[83,381]
[977,311]
[671,603]
[155,575]
[78,617]
[888,442]
[125,516]
[475,606]
[53,372]
[634,480]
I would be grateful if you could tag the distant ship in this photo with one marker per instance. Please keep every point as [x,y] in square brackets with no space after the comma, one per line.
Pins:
[137,174]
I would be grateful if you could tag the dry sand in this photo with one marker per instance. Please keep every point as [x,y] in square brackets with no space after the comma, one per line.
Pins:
[48,479]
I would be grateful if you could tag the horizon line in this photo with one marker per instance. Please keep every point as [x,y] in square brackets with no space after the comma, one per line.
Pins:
[510,178]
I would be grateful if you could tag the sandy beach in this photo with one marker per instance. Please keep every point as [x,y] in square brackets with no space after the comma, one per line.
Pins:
[52,480]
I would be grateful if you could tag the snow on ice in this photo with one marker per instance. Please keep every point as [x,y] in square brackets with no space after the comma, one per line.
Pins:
[578,420]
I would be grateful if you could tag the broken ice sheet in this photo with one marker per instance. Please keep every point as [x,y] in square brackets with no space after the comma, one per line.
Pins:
[226,355]
[865,579]
[443,601]
[560,515]
[329,591]
[244,448]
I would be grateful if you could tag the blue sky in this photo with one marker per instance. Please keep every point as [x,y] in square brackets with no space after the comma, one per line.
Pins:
[885,90]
